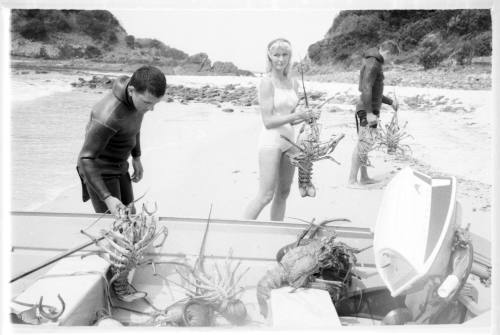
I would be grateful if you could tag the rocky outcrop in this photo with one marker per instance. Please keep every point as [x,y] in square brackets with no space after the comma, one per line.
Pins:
[96,35]
[463,34]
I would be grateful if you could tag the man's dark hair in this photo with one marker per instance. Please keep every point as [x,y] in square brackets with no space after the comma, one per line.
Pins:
[390,46]
[151,79]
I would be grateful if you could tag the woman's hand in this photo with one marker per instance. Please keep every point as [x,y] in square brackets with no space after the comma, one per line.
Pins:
[307,114]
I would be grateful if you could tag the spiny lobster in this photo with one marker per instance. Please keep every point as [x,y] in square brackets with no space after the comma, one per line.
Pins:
[128,240]
[216,290]
[310,150]
[391,135]
[307,262]
[37,314]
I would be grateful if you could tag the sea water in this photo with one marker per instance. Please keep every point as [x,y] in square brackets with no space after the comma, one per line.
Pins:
[47,127]
[48,118]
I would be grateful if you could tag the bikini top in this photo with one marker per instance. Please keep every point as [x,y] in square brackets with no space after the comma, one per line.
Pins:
[285,100]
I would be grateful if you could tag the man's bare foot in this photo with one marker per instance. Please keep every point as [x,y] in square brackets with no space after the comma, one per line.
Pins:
[368,181]
[352,182]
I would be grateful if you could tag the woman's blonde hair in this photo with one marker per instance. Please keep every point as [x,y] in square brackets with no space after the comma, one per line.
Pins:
[275,43]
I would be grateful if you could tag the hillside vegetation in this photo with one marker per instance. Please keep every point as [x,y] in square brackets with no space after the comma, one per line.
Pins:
[427,38]
[97,35]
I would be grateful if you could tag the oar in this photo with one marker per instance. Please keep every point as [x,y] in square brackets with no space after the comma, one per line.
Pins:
[56,258]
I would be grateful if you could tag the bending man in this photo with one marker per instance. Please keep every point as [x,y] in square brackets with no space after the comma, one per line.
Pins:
[113,134]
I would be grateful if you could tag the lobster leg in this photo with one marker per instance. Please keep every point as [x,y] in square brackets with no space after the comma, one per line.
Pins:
[51,315]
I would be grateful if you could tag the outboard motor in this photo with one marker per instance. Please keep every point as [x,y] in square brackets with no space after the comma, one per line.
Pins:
[421,252]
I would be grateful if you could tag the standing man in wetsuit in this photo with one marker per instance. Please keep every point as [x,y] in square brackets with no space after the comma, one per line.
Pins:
[371,86]
[113,134]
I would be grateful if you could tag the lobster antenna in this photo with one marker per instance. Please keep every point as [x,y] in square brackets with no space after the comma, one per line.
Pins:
[201,255]
[303,86]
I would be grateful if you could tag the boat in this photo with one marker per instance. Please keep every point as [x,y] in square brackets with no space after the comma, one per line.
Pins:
[374,297]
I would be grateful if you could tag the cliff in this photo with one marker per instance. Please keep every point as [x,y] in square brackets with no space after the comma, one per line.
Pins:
[425,37]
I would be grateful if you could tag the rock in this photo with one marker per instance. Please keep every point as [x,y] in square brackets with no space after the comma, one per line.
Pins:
[228,110]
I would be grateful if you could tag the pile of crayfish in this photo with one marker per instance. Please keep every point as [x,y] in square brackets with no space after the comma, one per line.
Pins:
[207,292]
[322,263]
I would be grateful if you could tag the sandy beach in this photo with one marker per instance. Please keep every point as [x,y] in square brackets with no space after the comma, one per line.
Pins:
[195,155]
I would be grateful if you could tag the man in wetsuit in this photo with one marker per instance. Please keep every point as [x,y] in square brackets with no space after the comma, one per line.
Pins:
[113,134]
[371,86]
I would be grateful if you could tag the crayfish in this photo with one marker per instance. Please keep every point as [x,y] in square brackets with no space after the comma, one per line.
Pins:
[307,262]
[217,289]
[391,135]
[310,150]
[127,242]
[38,313]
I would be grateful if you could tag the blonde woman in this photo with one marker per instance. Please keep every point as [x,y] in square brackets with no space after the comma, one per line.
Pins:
[278,100]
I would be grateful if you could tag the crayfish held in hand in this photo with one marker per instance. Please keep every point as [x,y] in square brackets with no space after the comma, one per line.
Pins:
[310,149]
[390,137]
[321,263]
[125,245]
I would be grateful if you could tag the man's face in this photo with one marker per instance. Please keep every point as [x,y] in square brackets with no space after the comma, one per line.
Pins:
[144,101]
[388,57]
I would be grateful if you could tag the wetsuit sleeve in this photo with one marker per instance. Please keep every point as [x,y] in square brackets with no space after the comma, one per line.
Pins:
[366,87]
[386,100]
[136,151]
[96,139]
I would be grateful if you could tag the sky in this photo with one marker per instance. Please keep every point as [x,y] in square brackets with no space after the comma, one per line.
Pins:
[238,36]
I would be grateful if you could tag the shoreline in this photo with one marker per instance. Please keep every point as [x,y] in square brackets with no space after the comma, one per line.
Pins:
[473,77]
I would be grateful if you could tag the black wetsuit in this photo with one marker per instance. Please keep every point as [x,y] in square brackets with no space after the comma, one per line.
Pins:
[371,86]
[112,135]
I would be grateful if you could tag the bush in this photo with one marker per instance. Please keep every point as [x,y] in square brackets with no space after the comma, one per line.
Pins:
[430,58]
[364,26]
[470,21]
[34,29]
[412,33]
[99,24]
[56,21]
[130,40]
[482,44]
[43,53]
[92,52]
[464,52]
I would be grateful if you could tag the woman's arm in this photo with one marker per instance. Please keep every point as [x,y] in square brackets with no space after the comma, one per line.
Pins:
[266,98]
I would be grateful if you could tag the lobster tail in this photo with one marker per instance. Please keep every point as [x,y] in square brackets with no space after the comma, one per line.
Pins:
[274,278]
[306,188]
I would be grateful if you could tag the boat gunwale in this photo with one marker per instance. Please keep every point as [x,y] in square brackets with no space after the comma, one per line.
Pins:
[278,224]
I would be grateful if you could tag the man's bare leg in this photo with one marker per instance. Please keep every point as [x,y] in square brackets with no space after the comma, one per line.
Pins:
[364,179]
[355,164]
